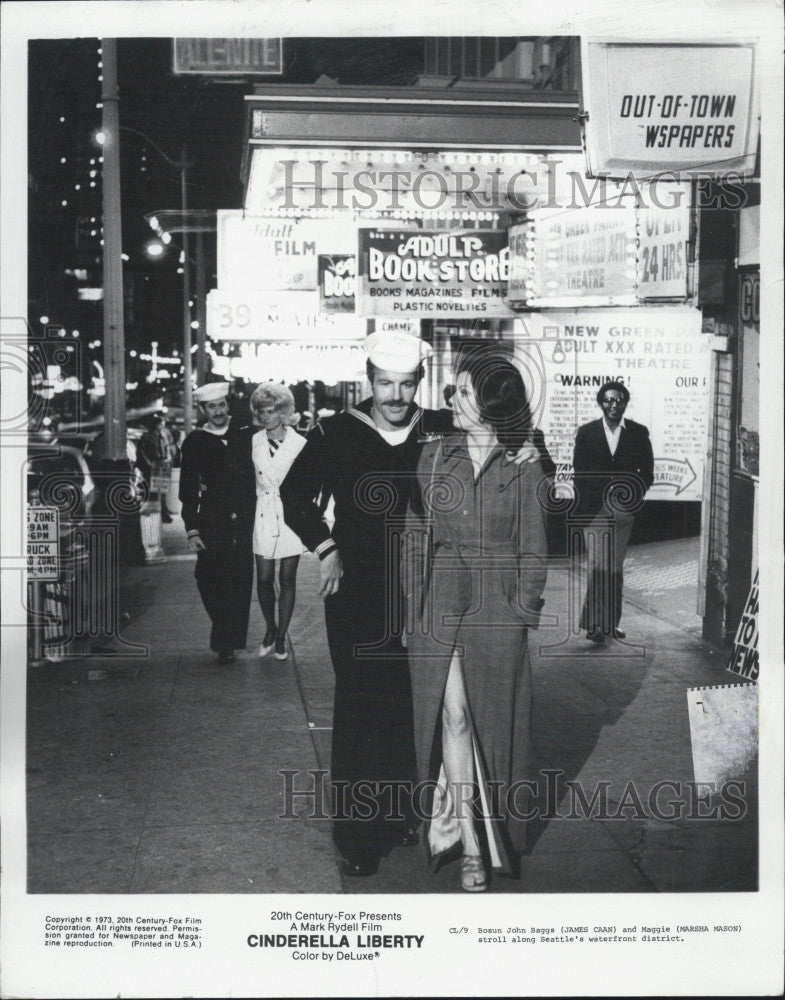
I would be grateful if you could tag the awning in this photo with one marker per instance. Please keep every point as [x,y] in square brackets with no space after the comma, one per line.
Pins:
[503,118]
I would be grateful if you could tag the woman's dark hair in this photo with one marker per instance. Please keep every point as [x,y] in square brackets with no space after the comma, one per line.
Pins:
[501,397]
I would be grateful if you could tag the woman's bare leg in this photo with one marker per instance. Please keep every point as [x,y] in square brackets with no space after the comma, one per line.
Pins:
[457,753]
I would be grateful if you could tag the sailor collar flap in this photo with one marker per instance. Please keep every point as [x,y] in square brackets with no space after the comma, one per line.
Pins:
[359,413]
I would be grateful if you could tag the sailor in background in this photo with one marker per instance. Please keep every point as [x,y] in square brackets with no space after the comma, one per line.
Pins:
[218,497]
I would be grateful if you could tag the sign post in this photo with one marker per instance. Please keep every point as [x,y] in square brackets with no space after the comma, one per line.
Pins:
[43,543]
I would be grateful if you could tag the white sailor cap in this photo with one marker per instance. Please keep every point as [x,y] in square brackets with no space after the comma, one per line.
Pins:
[396,351]
[210,392]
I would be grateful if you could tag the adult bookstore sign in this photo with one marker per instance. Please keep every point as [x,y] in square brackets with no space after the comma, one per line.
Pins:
[455,274]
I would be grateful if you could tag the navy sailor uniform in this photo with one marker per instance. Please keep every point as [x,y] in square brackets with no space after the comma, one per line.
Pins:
[373,741]
[218,497]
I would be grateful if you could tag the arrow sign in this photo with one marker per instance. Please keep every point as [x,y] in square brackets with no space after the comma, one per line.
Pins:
[674,472]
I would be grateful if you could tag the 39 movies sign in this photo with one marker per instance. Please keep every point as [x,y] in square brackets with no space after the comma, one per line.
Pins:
[426,273]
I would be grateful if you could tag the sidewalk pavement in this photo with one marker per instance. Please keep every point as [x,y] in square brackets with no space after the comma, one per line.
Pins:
[159,772]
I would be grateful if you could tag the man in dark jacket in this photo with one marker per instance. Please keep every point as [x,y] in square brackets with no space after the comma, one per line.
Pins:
[613,469]
[155,448]
[218,497]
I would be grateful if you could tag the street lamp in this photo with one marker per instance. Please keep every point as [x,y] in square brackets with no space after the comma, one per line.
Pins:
[199,221]
[182,165]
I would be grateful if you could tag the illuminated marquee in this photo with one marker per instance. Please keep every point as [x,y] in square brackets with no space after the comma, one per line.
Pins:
[424,273]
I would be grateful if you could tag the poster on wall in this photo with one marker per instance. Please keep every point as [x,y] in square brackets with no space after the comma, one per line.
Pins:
[460,273]
[658,353]
[598,256]
[337,282]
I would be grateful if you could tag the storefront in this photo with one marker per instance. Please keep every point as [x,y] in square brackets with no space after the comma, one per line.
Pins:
[730,299]
[345,173]
[469,217]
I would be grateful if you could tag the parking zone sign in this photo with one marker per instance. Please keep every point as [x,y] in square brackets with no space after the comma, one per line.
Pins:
[43,543]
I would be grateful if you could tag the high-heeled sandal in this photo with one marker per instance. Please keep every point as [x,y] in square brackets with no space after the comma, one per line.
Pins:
[473,875]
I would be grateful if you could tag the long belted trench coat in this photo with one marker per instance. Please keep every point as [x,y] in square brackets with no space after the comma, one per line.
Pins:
[474,568]
[272,538]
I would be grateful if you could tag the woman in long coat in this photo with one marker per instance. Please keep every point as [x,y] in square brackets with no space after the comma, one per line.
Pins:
[274,449]
[474,570]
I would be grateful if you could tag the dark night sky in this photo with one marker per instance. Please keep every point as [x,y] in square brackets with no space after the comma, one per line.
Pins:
[204,112]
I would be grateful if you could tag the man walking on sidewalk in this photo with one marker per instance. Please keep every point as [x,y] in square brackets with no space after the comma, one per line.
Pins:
[218,497]
[366,458]
[153,455]
[613,468]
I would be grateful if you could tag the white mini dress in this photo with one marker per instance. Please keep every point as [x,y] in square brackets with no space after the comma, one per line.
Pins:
[272,538]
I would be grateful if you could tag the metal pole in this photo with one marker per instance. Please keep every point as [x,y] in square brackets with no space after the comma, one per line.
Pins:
[114,331]
[188,404]
[201,311]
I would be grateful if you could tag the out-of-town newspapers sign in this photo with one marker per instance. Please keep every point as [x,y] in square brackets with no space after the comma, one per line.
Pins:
[669,107]
[237,314]
[268,252]
[233,56]
[658,353]
[460,273]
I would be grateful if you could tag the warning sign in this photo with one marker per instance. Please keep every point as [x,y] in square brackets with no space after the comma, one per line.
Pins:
[43,537]
[744,655]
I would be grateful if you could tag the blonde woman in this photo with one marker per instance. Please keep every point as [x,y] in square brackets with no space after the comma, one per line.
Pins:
[275,447]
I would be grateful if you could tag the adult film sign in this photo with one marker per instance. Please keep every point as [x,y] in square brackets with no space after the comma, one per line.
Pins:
[276,254]
[428,274]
